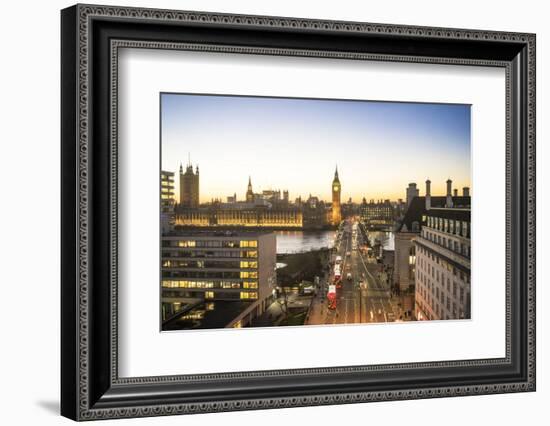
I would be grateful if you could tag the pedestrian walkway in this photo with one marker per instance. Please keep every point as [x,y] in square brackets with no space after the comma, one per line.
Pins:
[317,312]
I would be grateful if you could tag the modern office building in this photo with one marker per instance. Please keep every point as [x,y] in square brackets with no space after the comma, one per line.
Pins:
[228,276]
[167,192]
[167,200]
[442,275]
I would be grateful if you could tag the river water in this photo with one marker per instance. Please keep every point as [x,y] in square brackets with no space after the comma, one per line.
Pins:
[385,238]
[302,241]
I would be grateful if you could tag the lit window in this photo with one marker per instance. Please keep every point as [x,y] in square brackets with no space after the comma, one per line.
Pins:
[251,274]
[246,265]
[186,243]
[209,294]
[250,253]
[249,295]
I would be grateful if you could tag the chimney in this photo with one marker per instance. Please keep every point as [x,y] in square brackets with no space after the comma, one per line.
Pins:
[428,195]
[412,192]
[449,200]
[455,192]
[466,191]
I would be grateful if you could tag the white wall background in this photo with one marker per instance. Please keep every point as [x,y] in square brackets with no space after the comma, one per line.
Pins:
[29,211]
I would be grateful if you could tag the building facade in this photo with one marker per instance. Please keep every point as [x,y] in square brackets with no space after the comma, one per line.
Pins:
[167,201]
[377,215]
[442,275]
[410,227]
[247,216]
[316,214]
[189,187]
[336,199]
[199,267]
[167,192]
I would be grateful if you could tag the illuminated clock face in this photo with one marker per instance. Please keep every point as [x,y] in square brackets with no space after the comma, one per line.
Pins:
[336,188]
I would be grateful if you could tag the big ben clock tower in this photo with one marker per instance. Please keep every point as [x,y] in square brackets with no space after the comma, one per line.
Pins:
[336,194]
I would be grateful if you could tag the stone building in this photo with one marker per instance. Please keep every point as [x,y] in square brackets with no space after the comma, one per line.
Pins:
[189,187]
[377,215]
[442,275]
[336,199]
[410,227]
[240,215]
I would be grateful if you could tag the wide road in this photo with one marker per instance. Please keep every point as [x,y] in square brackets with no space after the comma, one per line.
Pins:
[362,299]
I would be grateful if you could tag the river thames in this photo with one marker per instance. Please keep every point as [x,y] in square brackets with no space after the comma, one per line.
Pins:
[303,241]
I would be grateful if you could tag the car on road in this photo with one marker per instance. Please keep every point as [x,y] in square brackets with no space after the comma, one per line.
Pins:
[308,290]
[348,276]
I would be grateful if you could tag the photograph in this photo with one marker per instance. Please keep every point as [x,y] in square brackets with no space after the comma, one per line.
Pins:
[293,187]
[279,211]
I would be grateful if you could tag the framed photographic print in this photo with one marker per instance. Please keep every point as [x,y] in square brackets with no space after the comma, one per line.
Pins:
[263,212]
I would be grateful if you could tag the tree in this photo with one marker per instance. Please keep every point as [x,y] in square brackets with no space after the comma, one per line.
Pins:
[283,304]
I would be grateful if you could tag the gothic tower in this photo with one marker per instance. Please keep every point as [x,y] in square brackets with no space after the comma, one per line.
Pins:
[249,192]
[189,186]
[336,194]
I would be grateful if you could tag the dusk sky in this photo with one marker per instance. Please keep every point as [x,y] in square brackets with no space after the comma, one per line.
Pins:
[295,144]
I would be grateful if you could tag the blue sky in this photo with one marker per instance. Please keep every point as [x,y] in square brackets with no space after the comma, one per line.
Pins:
[295,144]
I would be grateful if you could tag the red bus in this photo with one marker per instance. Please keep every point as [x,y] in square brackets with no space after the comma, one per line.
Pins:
[331,297]
[337,276]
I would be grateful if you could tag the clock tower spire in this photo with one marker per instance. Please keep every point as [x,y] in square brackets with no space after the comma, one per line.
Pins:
[249,192]
[336,195]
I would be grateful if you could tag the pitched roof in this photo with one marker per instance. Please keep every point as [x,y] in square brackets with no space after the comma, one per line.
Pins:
[454,213]
[418,207]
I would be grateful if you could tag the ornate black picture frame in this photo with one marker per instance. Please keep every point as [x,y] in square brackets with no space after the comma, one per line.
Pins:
[90,38]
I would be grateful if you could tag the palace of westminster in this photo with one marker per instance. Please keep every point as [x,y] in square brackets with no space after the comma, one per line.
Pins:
[268,209]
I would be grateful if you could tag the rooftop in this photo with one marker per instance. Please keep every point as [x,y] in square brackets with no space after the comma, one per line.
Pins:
[199,233]
[199,317]
[417,208]
[453,213]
